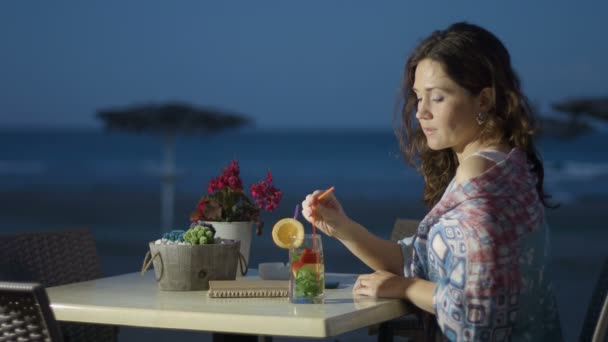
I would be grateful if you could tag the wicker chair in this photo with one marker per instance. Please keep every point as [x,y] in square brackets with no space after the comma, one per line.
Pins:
[25,314]
[55,258]
[404,228]
[595,325]
[410,326]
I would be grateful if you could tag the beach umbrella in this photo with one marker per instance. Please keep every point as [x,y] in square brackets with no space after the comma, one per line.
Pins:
[168,120]
[593,107]
[579,110]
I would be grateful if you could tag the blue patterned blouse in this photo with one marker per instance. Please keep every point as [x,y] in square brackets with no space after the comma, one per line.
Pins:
[485,244]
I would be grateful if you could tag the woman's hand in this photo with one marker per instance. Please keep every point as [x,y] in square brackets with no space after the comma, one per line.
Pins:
[381,284]
[327,214]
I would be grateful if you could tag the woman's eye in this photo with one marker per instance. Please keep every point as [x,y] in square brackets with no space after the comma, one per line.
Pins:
[437,99]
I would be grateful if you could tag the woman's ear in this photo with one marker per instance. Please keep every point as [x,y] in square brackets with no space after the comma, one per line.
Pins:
[486,100]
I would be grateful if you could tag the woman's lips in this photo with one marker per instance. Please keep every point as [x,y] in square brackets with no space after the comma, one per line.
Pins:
[428,131]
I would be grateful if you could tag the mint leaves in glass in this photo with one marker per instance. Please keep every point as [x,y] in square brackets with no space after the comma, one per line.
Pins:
[307,279]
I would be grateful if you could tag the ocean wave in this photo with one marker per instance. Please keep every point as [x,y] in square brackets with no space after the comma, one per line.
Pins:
[570,170]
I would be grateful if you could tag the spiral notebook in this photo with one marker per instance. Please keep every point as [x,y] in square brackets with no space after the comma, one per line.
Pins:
[248,288]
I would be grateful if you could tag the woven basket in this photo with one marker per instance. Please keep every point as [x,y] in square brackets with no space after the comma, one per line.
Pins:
[190,267]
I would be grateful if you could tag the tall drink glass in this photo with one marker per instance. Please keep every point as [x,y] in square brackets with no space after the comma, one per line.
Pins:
[307,278]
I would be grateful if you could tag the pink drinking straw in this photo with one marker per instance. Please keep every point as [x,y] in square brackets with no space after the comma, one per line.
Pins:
[296,212]
[314,226]
[326,192]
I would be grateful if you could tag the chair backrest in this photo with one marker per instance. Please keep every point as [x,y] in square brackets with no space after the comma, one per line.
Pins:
[596,320]
[25,313]
[51,258]
[54,258]
[404,228]
[601,328]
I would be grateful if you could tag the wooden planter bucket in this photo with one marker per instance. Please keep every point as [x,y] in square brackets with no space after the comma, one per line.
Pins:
[190,267]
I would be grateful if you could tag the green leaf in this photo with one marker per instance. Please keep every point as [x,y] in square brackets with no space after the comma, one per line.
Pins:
[295,256]
[307,283]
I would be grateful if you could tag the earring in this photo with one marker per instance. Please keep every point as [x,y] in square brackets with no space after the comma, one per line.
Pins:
[481,118]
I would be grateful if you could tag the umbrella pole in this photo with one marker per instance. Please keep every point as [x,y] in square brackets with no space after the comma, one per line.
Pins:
[168,182]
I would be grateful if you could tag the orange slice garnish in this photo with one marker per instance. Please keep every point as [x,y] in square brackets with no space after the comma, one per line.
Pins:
[288,233]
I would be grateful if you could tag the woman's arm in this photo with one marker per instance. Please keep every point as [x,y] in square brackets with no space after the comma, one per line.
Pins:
[377,253]
[420,293]
[330,218]
[384,284]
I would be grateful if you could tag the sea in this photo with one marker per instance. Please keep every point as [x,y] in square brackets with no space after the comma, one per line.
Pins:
[358,162]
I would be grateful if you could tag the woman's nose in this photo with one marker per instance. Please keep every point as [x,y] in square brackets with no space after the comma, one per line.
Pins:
[422,111]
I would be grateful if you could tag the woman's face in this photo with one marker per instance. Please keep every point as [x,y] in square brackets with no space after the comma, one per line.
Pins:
[446,111]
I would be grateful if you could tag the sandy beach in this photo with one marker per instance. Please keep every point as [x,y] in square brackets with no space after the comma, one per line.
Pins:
[124,221]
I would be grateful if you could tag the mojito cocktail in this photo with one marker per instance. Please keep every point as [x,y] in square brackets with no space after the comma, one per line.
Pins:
[307,279]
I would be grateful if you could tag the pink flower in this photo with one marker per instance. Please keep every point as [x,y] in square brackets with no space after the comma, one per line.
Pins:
[226,200]
[266,196]
[234,182]
[232,169]
[229,178]
[201,206]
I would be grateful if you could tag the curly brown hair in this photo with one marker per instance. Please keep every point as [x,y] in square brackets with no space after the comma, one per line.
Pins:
[475,59]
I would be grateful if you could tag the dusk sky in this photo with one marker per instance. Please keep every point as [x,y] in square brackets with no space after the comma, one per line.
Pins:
[284,63]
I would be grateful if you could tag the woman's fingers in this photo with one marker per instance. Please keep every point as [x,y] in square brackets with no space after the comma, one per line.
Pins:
[326,214]
[320,211]
[310,204]
[363,280]
[357,284]
[364,291]
[307,207]
[369,284]
[310,199]
[364,287]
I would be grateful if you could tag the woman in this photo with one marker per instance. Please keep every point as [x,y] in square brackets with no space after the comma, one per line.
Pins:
[478,261]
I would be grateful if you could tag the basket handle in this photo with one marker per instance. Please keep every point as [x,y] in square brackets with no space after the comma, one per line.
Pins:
[146,265]
[243,264]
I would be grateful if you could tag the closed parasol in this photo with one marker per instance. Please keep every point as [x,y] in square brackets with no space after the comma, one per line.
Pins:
[168,120]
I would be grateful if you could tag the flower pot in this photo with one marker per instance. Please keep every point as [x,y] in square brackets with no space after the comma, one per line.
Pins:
[190,267]
[241,231]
